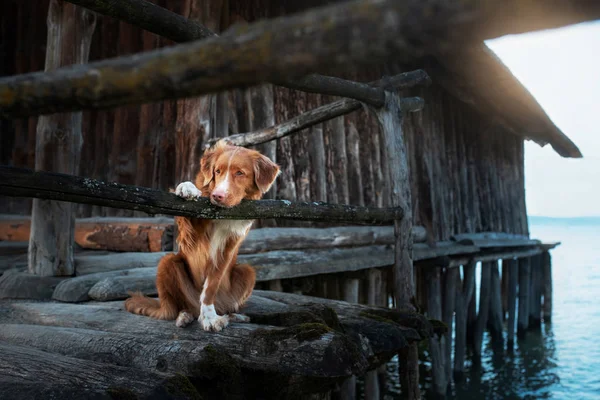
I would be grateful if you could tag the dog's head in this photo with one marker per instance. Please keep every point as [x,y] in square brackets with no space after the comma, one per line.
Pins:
[229,174]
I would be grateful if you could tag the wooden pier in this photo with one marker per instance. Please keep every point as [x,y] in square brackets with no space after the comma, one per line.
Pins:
[307,271]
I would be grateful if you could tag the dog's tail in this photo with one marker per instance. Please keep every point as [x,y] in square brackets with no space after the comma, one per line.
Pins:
[143,305]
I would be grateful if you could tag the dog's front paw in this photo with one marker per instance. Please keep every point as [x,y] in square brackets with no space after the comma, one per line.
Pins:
[188,191]
[213,322]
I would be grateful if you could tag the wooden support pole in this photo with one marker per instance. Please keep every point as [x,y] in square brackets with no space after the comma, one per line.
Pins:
[451,277]
[261,113]
[524,286]
[376,296]
[58,144]
[464,297]
[350,294]
[437,344]
[547,270]
[504,292]
[46,185]
[535,305]
[495,321]
[471,310]
[390,120]
[513,283]
[484,307]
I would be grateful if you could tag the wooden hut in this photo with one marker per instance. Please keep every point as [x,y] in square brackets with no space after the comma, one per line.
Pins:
[465,159]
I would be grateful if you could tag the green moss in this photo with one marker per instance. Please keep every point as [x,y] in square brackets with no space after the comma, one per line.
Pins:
[119,393]
[301,332]
[305,314]
[376,317]
[180,386]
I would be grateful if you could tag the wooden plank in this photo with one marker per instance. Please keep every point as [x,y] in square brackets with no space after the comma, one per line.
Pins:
[17,227]
[513,283]
[484,306]
[77,289]
[495,240]
[324,353]
[464,297]
[58,144]
[524,286]
[547,286]
[73,378]
[22,182]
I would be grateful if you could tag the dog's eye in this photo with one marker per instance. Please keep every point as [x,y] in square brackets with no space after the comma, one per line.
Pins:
[218,171]
[239,173]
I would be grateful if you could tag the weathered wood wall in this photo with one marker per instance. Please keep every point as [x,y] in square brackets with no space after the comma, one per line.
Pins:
[466,172]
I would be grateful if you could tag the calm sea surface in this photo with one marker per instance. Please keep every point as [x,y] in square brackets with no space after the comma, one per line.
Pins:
[562,361]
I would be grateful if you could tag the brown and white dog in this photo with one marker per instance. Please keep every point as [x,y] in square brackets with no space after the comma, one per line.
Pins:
[204,280]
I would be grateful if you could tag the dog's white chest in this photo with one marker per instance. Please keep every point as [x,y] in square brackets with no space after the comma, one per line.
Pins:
[222,231]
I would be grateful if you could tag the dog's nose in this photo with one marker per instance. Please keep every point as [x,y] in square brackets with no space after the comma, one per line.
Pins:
[218,196]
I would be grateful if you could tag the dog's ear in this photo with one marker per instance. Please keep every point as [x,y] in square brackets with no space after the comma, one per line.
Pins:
[265,173]
[207,162]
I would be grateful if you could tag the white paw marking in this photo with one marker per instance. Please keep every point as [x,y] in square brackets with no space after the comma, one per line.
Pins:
[188,191]
[184,319]
[238,317]
[210,321]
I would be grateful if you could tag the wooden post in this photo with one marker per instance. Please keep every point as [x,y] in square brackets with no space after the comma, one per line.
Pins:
[484,306]
[523,321]
[471,314]
[547,270]
[495,321]
[463,298]
[58,144]
[261,114]
[535,301]
[350,293]
[437,344]
[504,293]
[390,119]
[376,294]
[513,282]
[450,286]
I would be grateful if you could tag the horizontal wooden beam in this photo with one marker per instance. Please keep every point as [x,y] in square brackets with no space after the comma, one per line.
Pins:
[273,50]
[318,40]
[150,17]
[335,109]
[61,187]
[165,23]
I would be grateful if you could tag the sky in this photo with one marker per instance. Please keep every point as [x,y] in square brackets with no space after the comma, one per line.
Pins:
[561,69]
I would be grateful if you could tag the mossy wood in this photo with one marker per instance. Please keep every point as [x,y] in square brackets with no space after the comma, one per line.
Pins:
[29,373]
[173,26]
[307,344]
[355,32]
[47,185]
